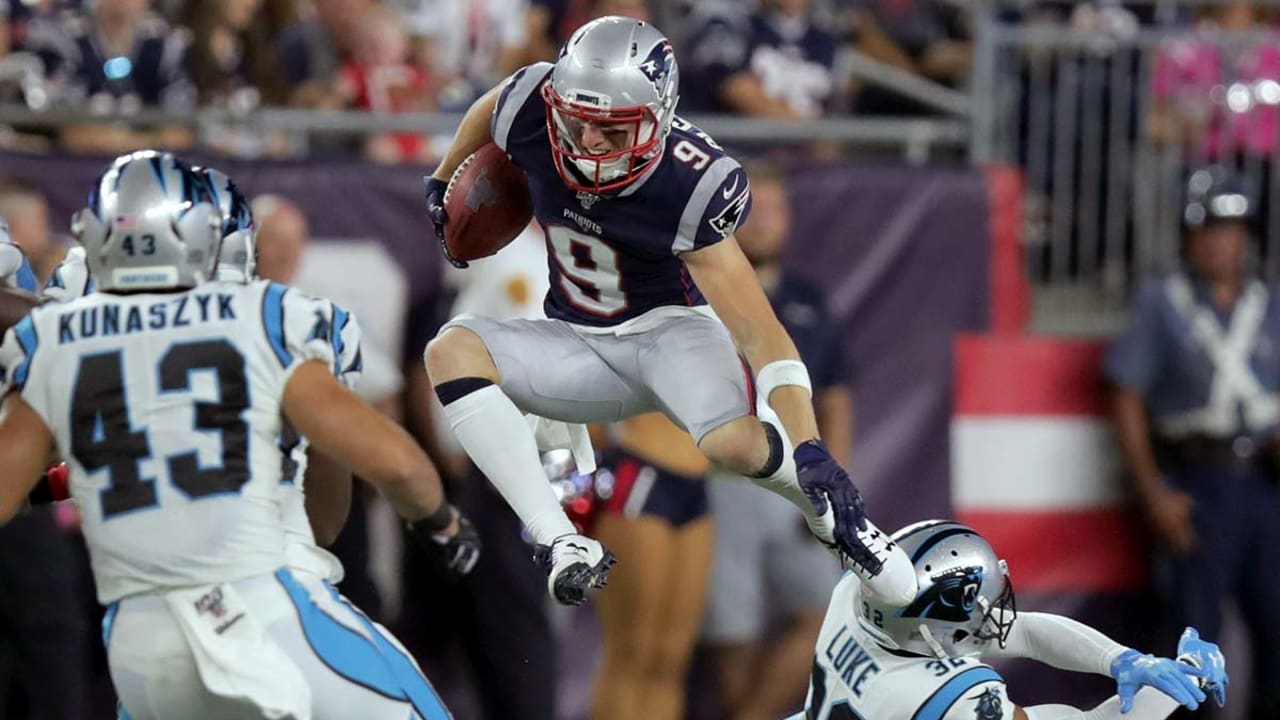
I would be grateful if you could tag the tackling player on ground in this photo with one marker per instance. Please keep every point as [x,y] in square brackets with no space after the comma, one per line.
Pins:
[651,304]
[924,661]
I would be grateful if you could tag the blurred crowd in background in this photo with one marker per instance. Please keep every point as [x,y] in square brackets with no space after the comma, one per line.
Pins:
[777,59]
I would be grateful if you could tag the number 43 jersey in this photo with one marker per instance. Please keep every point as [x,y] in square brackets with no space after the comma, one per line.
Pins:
[856,678]
[167,409]
[616,257]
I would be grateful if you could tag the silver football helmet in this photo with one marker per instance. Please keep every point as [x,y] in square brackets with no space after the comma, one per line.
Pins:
[617,79]
[237,260]
[151,224]
[965,600]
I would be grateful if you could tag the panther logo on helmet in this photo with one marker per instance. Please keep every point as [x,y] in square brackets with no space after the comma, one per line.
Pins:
[953,596]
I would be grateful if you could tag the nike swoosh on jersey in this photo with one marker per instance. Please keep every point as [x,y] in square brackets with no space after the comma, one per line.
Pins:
[728,194]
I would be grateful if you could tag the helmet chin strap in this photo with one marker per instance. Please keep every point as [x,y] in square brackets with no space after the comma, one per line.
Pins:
[933,644]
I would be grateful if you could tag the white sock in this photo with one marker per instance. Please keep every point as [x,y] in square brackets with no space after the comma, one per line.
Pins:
[785,482]
[496,437]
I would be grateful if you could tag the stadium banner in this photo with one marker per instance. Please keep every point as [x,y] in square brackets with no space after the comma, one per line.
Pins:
[1036,469]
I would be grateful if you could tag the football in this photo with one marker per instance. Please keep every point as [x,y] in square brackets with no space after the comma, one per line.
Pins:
[488,204]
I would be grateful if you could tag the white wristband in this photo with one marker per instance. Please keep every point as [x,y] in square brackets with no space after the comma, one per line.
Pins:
[779,373]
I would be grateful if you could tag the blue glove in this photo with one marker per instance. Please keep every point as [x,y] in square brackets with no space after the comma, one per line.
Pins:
[1208,657]
[434,192]
[825,483]
[1133,670]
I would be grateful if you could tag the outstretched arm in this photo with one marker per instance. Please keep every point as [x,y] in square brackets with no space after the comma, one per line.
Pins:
[1061,642]
[1148,704]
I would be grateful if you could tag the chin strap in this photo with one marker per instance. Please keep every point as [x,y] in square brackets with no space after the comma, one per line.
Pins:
[932,642]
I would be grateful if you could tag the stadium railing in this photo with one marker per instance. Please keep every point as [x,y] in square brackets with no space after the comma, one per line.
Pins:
[1106,139]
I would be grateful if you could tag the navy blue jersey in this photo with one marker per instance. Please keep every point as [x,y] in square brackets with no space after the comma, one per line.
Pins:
[613,258]
[794,59]
[818,336]
[151,75]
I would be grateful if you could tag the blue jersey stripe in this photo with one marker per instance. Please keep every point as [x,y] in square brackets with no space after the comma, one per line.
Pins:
[340,319]
[26,332]
[936,707]
[26,278]
[273,321]
[108,622]
[415,684]
[343,650]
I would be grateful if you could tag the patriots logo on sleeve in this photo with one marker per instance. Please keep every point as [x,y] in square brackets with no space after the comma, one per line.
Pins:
[727,221]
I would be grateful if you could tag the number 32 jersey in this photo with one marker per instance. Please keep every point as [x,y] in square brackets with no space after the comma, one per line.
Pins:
[855,678]
[167,409]
[616,257]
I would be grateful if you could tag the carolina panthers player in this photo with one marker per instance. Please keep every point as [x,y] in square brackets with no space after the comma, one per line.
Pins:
[924,661]
[639,209]
[170,424]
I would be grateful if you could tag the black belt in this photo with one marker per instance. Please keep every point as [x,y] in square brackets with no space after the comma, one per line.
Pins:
[1236,451]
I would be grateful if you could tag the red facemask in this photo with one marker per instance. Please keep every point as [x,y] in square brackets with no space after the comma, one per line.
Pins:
[608,171]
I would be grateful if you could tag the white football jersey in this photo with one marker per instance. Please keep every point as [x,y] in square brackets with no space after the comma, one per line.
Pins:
[71,280]
[166,407]
[855,678]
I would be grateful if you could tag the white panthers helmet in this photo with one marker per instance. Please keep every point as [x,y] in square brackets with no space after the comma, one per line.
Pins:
[237,261]
[965,599]
[151,224]
[620,75]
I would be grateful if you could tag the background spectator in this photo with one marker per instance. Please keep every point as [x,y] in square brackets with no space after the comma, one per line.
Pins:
[233,63]
[1191,72]
[282,237]
[774,62]
[231,60]
[925,37]
[1197,408]
[24,206]
[118,57]
[471,44]
[313,48]
[381,78]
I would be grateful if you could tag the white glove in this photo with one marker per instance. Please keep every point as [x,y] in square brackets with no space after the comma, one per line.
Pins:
[556,435]
[11,258]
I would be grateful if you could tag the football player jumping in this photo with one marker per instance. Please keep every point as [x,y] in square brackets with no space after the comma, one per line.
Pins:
[651,304]
[924,661]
